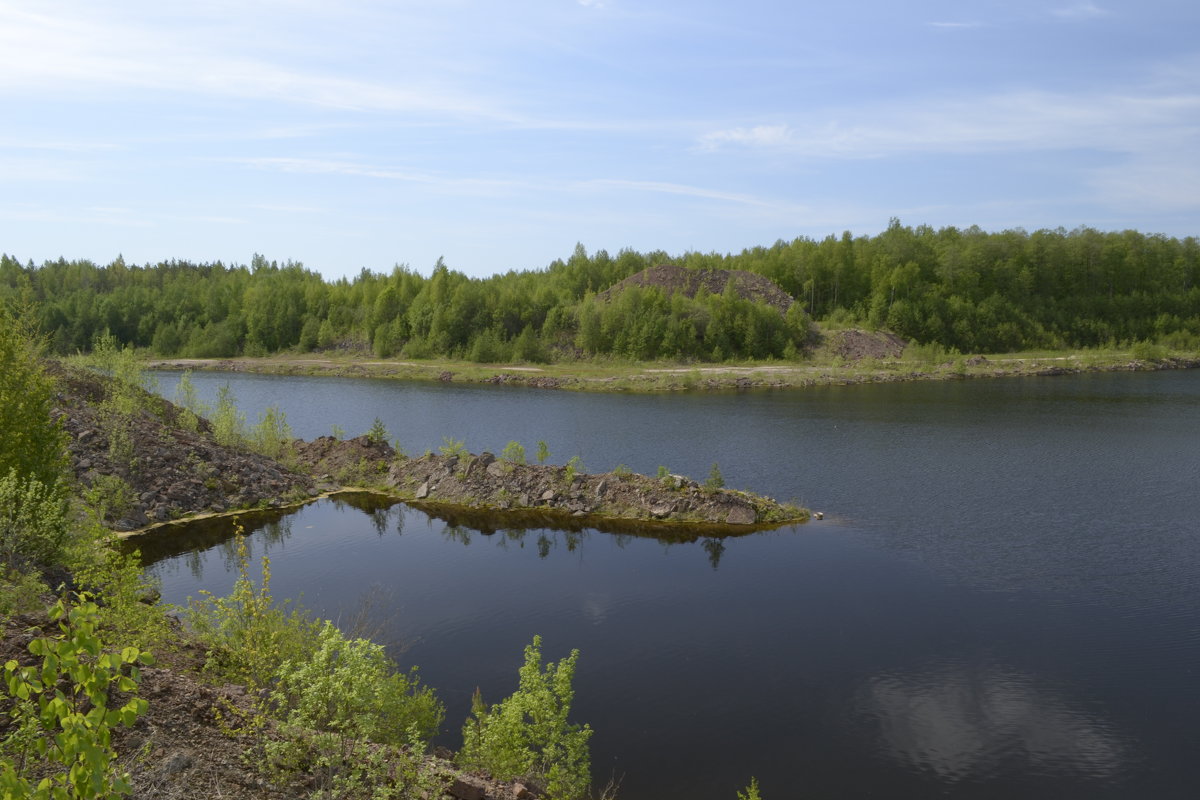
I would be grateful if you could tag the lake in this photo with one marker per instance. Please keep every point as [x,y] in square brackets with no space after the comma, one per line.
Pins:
[1001,600]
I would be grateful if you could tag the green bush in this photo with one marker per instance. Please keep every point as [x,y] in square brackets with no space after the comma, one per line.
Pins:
[528,735]
[1148,351]
[715,479]
[34,525]
[378,433]
[229,424]
[573,468]
[342,701]
[751,792]
[272,436]
[33,442]
[453,447]
[543,452]
[247,634]
[513,452]
[61,718]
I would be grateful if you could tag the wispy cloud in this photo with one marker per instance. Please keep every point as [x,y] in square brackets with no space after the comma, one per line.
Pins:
[1084,10]
[677,188]
[63,53]
[432,180]
[1015,122]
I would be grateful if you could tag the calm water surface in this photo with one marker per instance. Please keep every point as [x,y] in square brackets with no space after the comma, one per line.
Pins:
[1000,602]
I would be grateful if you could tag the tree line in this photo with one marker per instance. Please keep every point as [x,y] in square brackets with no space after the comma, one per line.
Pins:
[965,289]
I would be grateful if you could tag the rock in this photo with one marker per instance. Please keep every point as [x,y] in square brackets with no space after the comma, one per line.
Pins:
[741,515]
[423,491]
[601,488]
[661,509]
[548,495]
[495,469]
[178,762]
[523,500]
[463,790]
[486,458]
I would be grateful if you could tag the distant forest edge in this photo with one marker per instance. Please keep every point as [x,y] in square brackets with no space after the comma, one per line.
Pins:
[963,289]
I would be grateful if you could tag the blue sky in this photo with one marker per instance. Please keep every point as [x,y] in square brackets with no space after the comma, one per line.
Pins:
[498,134]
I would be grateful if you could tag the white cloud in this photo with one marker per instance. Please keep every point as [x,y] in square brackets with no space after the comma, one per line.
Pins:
[677,188]
[1084,10]
[70,53]
[1004,122]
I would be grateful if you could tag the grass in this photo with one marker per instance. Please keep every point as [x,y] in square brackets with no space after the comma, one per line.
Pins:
[609,375]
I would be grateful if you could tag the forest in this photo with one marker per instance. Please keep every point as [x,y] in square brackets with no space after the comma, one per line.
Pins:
[962,289]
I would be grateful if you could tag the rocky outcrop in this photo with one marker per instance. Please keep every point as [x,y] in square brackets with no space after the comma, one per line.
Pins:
[483,481]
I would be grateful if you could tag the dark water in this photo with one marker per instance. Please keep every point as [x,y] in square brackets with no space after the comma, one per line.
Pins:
[1001,602]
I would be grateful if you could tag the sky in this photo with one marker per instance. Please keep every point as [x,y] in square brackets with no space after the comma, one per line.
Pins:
[498,135]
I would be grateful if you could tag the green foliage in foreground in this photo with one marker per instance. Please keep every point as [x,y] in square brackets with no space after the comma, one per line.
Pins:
[33,442]
[62,712]
[248,635]
[348,716]
[528,735]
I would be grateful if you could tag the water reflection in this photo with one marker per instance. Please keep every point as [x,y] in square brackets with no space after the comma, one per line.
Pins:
[964,723]
[266,530]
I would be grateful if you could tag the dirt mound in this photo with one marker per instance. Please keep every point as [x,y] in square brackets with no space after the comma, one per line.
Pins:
[853,344]
[351,462]
[672,279]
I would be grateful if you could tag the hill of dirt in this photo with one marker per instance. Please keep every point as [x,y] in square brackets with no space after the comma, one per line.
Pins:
[672,279]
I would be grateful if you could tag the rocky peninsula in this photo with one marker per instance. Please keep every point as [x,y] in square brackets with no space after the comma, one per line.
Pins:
[151,464]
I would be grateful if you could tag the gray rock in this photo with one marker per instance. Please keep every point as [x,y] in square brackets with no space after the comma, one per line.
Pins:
[423,491]
[601,488]
[495,469]
[741,515]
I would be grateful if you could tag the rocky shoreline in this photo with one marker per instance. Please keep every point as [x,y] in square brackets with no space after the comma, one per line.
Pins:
[148,469]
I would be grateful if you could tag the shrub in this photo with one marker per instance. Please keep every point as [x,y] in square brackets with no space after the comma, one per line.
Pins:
[109,496]
[346,694]
[543,452]
[1146,350]
[229,424]
[751,792]
[573,468]
[34,524]
[272,436]
[33,442]
[61,719]
[528,735]
[715,479]
[452,447]
[514,452]
[378,434]
[248,635]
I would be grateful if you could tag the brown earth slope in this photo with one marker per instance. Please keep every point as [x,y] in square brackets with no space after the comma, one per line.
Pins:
[672,279]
